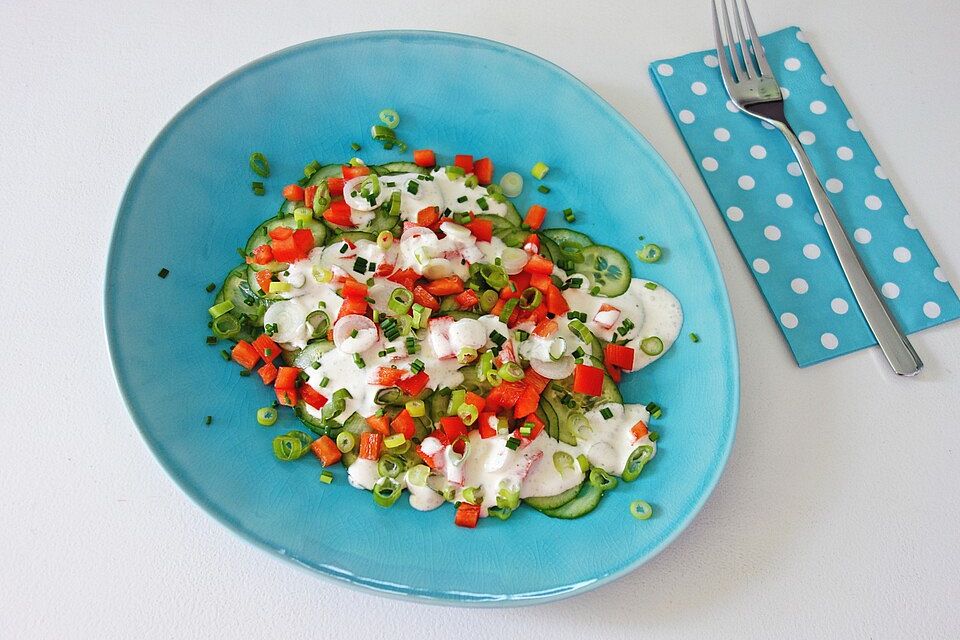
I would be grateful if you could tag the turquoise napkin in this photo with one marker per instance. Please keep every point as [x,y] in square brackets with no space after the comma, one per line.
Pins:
[757,185]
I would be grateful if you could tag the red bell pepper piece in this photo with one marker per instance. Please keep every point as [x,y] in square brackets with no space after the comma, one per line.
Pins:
[338,213]
[326,450]
[639,430]
[483,169]
[614,372]
[538,264]
[335,186]
[467,515]
[267,348]
[293,192]
[309,193]
[267,373]
[404,277]
[263,254]
[486,426]
[546,328]
[428,217]
[527,403]
[424,157]
[370,443]
[303,240]
[540,281]
[287,378]
[452,427]
[280,233]
[465,162]
[414,384]
[388,376]
[350,172]
[468,299]
[481,229]
[619,355]
[422,296]
[350,306]
[448,286]
[535,380]
[587,380]
[312,397]
[285,249]
[403,424]
[535,216]
[245,354]
[532,243]
[556,303]
[478,401]
[380,424]
[535,431]
[286,397]
[354,289]
[264,278]
[506,394]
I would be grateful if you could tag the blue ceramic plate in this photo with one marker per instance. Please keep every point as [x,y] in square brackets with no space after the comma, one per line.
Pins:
[189,205]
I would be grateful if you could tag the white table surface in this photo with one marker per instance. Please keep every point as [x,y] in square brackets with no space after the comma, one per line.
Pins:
[837,515]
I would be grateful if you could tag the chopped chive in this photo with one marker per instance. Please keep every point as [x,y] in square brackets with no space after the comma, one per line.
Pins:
[413,187]
[259,165]
[357,360]
[650,285]
[606,413]
[355,146]
[208,420]
[654,436]
[244,373]
[311,168]
[513,443]
[462,199]
[225,354]
[416,366]
[353,334]
[257,188]
[210,287]
[212,340]
[543,189]
[325,381]
[694,337]
[497,338]
[343,248]
[163,273]
[326,477]
[482,203]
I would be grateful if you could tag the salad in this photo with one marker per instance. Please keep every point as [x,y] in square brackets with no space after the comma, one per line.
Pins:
[431,340]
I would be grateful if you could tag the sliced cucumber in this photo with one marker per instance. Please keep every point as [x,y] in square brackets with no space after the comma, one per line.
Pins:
[398,167]
[551,422]
[550,250]
[512,215]
[586,501]
[324,172]
[261,235]
[546,503]
[459,314]
[356,423]
[289,357]
[311,421]
[513,237]
[312,353]
[438,402]
[353,236]
[566,429]
[607,269]
[561,236]
[236,289]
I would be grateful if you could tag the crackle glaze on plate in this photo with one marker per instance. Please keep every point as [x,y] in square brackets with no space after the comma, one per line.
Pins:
[189,205]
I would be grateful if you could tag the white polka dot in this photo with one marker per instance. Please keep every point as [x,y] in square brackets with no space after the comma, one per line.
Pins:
[825,79]
[931,309]
[852,125]
[758,152]
[791,64]
[794,169]
[807,137]
[863,236]
[801,36]
[785,92]
[908,222]
[799,285]
[732,108]
[687,117]
[766,125]
[665,69]
[839,306]
[833,185]
[818,219]
[879,172]
[811,251]
[721,134]
[872,202]
[698,88]
[746,183]
[829,341]
[818,107]
[901,254]
[784,201]
[844,153]
[771,232]
[761,266]
[709,164]
[735,214]
[890,290]
[789,320]
[710,60]
[939,274]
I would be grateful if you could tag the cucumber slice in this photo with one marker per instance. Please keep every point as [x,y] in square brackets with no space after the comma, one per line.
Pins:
[289,357]
[550,249]
[566,429]
[309,420]
[312,353]
[561,235]
[459,314]
[353,236]
[398,167]
[499,223]
[586,501]
[551,422]
[261,235]
[324,172]
[512,215]
[236,289]
[607,269]
[355,424]
[381,222]
[438,402]
[513,237]
[546,503]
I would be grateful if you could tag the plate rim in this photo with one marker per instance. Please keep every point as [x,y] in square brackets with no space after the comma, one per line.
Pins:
[342,577]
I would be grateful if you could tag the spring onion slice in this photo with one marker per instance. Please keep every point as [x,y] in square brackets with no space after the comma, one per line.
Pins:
[511,371]
[466,355]
[386,491]
[650,253]
[291,446]
[346,441]
[384,240]
[417,476]
[508,309]
[531,298]
[562,461]
[390,466]
[539,170]
[390,118]
[641,509]
[394,440]
[259,164]
[225,326]
[416,409]
[457,398]
[512,184]
[473,495]
[636,462]
[652,346]
[401,300]
[266,416]
[488,300]
[221,308]
[508,496]
[326,477]
[602,480]
[468,413]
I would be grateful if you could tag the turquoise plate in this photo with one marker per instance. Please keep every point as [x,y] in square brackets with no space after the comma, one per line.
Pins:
[189,205]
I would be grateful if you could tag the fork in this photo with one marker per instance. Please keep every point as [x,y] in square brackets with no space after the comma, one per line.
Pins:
[754,90]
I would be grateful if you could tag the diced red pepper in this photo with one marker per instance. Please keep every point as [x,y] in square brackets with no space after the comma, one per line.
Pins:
[535,216]
[467,515]
[422,296]
[285,250]
[350,172]
[403,423]
[312,397]
[245,354]
[506,394]
[540,281]
[414,384]
[264,278]
[424,157]
[263,254]
[326,450]
[619,355]
[556,303]
[483,169]
[405,278]
[304,241]
[453,427]
[546,328]
[267,348]
[465,162]
[537,427]
[532,243]
[587,380]
[538,264]
[370,443]
[486,429]
[535,380]
[267,373]
[287,378]
[354,289]
[535,315]
[448,286]
[388,376]
[428,217]
[352,306]
[468,299]
[433,460]
[527,403]
[309,193]
[639,430]
[481,229]
[380,424]
[478,401]
[293,192]
[286,397]
[614,372]
[280,233]
[338,213]
[335,186]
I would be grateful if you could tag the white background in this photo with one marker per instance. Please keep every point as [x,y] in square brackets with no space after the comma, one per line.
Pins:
[837,516]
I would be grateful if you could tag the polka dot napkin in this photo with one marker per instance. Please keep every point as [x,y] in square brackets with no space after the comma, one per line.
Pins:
[757,185]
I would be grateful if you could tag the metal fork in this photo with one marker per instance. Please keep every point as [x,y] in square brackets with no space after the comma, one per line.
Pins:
[754,89]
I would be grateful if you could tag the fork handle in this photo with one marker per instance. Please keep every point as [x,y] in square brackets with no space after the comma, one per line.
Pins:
[894,344]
